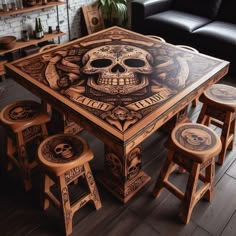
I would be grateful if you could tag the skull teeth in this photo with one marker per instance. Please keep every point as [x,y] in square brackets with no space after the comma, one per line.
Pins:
[68,153]
[120,81]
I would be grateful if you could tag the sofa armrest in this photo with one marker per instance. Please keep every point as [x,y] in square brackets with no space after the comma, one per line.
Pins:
[140,9]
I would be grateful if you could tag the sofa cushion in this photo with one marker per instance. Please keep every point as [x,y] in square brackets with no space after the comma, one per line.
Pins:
[217,38]
[174,26]
[206,8]
[227,11]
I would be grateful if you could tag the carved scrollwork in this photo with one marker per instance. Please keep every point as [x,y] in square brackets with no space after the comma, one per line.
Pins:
[133,163]
[66,202]
[114,165]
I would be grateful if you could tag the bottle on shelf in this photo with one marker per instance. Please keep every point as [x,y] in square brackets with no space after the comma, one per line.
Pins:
[38,34]
[5,5]
[20,4]
[25,35]
[41,28]
[50,29]
[13,5]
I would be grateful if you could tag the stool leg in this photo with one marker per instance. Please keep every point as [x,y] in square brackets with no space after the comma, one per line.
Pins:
[232,131]
[202,117]
[10,153]
[224,137]
[189,198]
[92,186]
[65,203]
[195,102]
[46,107]
[24,163]
[44,131]
[210,174]
[164,174]
[46,191]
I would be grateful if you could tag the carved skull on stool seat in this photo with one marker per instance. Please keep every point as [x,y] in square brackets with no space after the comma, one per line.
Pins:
[23,112]
[195,138]
[64,150]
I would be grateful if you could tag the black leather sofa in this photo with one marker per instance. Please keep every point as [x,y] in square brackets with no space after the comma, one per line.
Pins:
[207,25]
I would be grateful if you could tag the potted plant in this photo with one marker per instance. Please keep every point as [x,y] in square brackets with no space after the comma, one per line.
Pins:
[114,12]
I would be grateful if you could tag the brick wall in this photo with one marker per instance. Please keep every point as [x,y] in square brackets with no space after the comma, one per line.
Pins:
[14,24]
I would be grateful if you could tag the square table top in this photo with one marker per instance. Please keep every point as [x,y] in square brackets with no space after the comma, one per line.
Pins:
[122,82]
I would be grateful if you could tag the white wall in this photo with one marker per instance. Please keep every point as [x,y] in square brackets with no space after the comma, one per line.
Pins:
[14,24]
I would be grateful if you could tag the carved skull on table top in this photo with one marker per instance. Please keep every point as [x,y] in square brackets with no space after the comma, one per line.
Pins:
[121,69]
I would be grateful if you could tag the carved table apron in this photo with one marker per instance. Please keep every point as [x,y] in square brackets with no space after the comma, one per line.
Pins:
[121,86]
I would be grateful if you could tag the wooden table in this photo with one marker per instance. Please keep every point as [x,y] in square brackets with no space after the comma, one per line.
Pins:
[121,86]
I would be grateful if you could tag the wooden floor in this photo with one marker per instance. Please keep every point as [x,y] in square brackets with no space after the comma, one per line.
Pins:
[20,213]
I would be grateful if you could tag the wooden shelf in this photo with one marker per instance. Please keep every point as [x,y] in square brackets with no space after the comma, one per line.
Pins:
[29,9]
[21,44]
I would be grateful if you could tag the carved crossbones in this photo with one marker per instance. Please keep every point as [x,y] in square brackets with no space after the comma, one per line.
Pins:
[62,61]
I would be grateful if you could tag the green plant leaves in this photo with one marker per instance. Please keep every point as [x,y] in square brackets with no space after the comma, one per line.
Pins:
[113,9]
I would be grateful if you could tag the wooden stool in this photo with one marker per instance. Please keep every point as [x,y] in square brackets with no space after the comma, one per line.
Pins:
[65,158]
[24,121]
[219,109]
[192,147]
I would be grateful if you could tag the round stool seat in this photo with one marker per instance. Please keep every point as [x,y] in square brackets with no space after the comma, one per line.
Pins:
[62,152]
[196,141]
[221,96]
[23,114]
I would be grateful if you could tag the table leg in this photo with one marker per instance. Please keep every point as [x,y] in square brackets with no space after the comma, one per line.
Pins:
[180,117]
[123,175]
[56,124]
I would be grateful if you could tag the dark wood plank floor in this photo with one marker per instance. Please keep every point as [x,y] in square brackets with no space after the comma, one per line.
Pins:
[20,213]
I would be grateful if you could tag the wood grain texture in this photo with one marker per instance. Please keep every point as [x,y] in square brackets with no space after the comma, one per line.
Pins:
[218,213]
[230,228]
[199,231]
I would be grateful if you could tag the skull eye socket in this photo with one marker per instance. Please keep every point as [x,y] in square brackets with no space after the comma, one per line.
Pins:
[58,150]
[194,136]
[100,63]
[134,62]
[66,146]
